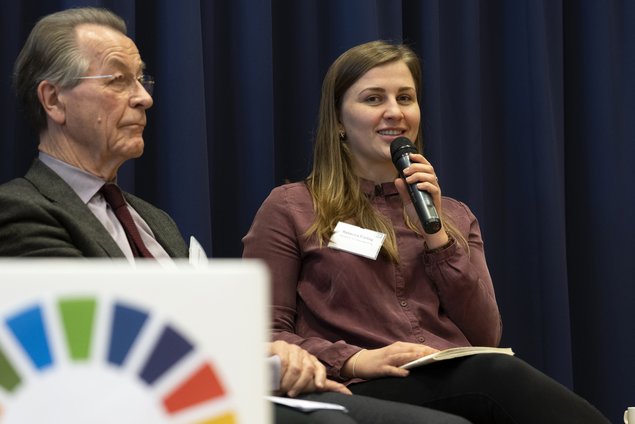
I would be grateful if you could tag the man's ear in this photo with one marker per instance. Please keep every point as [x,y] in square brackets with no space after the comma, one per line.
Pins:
[49,98]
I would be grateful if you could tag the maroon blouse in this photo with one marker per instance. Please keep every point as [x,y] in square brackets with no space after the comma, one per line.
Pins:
[333,303]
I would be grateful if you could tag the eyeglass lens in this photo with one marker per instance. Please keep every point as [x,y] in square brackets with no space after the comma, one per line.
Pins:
[148,83]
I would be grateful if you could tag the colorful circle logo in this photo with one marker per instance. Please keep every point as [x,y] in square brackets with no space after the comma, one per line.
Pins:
[79,359]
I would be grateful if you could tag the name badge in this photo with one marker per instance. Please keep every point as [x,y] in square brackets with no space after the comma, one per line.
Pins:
[356,240]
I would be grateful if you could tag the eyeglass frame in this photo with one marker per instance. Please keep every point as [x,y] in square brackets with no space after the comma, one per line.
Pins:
[146,81]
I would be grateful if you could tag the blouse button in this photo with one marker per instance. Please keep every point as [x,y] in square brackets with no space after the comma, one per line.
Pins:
[422,339]
[403,303]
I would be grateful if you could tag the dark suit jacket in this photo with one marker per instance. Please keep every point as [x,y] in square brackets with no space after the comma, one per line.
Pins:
[40,215]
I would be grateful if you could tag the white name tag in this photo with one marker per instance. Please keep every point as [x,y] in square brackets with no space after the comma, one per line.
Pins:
[357,240]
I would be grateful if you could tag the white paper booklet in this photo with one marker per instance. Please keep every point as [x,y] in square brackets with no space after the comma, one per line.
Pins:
[198,257]
[456,352]
[305,405]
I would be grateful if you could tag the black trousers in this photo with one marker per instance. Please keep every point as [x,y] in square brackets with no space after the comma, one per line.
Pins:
[486,389]
[363,410]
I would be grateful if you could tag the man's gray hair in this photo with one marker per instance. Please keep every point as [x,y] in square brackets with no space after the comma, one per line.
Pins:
[51,53]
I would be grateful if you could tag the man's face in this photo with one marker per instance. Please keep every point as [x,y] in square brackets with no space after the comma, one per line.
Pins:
[105,116]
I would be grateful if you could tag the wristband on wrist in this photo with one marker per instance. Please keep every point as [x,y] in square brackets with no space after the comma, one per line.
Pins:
[355,362]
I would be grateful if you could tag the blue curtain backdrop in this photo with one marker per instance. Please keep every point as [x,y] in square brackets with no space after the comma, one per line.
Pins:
[528,115]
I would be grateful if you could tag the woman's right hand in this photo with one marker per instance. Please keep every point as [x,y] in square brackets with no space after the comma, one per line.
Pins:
[384,362]
[302,372]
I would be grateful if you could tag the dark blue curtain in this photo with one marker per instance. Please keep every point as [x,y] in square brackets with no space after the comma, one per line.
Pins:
[528,116]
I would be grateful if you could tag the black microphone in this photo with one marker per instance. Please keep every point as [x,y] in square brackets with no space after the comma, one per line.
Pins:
[400,149]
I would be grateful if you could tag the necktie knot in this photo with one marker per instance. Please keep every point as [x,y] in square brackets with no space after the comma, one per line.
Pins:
[114,197]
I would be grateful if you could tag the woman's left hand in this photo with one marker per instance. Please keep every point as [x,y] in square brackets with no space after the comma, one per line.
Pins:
[421,173]
[385,361]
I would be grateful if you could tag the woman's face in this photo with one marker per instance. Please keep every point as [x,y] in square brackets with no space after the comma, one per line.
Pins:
[379,107]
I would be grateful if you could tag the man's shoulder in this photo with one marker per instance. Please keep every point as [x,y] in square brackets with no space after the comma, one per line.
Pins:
[19,188]
[21,197]
[39,182]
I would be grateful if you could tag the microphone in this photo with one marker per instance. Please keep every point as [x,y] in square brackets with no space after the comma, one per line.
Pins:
[400,149]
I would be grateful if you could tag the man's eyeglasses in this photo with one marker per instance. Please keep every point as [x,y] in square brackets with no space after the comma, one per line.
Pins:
[122,83]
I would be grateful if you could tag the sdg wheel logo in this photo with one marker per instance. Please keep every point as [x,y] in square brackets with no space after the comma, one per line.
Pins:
[88,359]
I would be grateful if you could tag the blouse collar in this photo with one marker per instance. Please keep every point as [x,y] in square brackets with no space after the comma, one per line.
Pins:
[382,189]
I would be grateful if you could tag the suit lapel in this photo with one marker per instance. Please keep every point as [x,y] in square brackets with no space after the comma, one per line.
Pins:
[156,220]
[57,191]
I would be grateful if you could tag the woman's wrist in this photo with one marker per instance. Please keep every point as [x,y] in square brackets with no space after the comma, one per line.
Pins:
[350,368]
[437,242]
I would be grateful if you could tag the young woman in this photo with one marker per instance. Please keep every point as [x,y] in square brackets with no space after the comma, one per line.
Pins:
[362,316]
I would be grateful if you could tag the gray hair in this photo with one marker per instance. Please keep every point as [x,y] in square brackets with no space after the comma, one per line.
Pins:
[51,53]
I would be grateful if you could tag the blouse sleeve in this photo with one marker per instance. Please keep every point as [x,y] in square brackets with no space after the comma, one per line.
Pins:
[463,282]
[275,237]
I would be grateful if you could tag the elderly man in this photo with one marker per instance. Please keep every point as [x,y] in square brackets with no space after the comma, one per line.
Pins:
[81,81]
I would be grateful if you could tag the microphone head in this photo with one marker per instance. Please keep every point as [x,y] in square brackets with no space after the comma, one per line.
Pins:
[399,147]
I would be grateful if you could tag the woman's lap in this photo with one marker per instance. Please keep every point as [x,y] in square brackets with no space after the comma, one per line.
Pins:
[487,388]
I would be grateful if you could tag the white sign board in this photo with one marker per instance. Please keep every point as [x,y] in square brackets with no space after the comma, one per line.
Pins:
[106,342]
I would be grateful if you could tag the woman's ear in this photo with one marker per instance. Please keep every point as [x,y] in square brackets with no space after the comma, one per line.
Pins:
[341,131]
[49,98]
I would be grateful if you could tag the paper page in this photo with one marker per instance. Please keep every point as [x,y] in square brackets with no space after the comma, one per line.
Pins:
[274,365]
[198,257]
[305,405]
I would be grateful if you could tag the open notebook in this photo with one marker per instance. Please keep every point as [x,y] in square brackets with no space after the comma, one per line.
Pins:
[103,342]
[456,352]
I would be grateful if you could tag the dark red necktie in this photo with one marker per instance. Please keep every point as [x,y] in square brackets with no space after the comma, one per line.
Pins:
[115,199]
